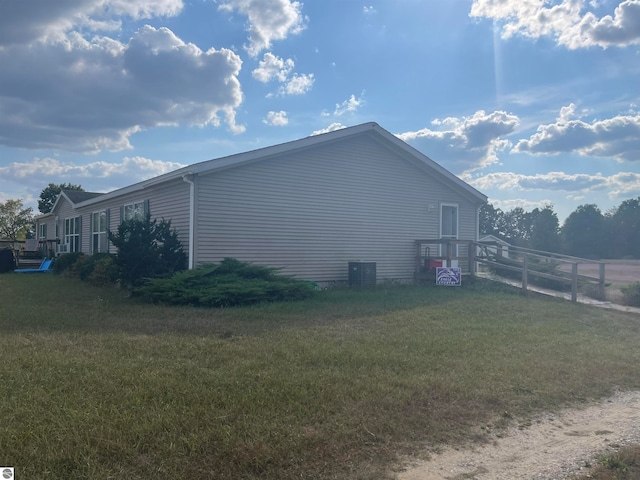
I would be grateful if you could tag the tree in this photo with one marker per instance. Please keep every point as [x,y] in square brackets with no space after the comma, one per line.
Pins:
[491,219]
[516,226]
[15,220]
[50,193]
[584,232]
[544,229]
[625,229]
[147,249]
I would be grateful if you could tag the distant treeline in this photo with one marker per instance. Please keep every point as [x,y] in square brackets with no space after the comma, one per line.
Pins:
[587,232]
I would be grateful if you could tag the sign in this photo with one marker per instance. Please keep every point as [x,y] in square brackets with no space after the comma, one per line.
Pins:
[7,473]
[449,276]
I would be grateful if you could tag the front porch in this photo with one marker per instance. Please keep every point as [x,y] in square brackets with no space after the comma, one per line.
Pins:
[29,253]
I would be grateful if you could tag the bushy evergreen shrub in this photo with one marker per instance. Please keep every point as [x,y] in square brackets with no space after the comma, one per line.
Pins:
[631,294]
[147,249]
[229,283]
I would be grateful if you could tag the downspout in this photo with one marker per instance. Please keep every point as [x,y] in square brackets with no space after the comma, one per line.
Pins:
[192,209]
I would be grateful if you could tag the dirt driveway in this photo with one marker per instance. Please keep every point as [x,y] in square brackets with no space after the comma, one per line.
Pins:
[554,446]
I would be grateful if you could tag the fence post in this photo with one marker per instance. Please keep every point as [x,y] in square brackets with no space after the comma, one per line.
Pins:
[574,282]
[601,291]
[472,258]
[525,279]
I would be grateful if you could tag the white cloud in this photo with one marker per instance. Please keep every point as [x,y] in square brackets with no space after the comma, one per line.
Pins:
[525,204]
[38,173]
[619,185]
[564,21]
[26,21]
[298,84]
[349,106]
[269,20]
[617,137]
[331,128]
[277,119]
[97,93]
[272,67]
[466,143]
[369,10]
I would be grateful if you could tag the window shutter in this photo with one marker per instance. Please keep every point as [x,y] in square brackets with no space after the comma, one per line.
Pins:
[146,208]
[122,214]
[107,215]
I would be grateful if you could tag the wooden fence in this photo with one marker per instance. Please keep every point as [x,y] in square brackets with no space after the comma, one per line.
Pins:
[528,266]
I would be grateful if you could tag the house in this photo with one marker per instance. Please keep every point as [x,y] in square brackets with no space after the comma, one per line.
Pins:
[309,206]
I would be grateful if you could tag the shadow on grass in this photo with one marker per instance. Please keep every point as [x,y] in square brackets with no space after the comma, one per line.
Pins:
[60,304]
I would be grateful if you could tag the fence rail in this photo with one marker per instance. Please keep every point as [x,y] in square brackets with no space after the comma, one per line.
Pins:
[526,265]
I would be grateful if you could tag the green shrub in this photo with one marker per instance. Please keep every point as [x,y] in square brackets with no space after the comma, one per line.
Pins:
[631,294]
[67,263]
[227,284]
[99,269]
[147,249]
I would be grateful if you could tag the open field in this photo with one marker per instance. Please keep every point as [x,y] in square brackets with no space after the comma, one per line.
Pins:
[342,386]
[617,273]
[620,272]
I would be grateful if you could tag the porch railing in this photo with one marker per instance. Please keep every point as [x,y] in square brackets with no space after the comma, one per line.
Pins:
[527,266]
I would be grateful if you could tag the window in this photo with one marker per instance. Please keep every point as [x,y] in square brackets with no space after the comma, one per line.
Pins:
[99,240]
[134,211]
[42,231]
[72,234]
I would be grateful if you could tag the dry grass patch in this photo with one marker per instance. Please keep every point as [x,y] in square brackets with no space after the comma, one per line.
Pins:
[622,465]
[98,385]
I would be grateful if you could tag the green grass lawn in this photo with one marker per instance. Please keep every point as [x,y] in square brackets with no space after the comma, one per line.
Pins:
[95,385]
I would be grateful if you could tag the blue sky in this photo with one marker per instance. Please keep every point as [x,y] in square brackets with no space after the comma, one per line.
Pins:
[530,101]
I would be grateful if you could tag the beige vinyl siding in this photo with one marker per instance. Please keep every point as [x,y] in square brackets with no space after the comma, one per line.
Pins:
[50,222]
[168,200]
[313,212]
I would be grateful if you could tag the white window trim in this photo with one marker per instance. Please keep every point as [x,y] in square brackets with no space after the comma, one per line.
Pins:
[70,238]
[103,241]
[137,214]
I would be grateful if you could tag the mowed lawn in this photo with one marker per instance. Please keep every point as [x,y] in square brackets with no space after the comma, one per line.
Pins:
[97,385]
